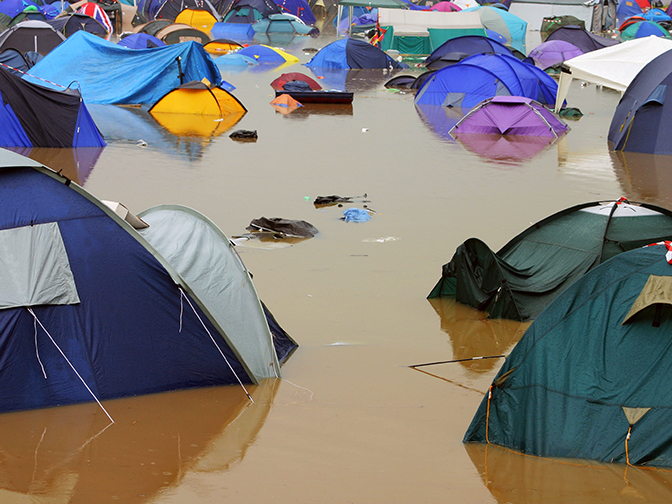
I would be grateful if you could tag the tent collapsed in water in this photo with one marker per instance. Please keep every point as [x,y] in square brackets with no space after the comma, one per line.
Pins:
[145,319]
[532,269]
[590,377]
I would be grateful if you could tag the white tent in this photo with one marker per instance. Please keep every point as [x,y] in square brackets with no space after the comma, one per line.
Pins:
[613,67]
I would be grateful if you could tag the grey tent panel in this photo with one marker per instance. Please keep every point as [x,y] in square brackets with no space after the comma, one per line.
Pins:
[34,267]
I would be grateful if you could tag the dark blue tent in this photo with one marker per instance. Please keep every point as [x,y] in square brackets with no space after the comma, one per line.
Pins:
[643,118]
[35,116]
[92,309]
[12,60]
[482,76]
[352,53]
[458,48]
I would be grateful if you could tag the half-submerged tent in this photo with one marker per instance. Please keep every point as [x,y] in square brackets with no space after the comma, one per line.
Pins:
[523,277]
[510,115]
[145,319]
[643,118]
[198,97]
[483,76]
[35,116]
[459,48]
[147,74]
[590,378]
[352,53]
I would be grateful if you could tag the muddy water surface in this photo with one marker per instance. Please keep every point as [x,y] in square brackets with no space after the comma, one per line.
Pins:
[349,422]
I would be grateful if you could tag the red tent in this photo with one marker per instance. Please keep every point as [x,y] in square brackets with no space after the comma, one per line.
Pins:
[278,83]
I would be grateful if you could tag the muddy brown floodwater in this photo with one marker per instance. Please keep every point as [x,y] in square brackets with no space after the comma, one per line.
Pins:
[349,422]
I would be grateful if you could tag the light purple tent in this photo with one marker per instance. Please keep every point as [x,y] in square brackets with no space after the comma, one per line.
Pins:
[552,52]
[510,115]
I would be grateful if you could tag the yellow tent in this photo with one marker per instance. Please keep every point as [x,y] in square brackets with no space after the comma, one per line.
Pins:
[199,98]
[199,19]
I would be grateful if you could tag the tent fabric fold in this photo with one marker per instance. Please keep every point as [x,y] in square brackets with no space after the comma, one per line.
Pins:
[532,269]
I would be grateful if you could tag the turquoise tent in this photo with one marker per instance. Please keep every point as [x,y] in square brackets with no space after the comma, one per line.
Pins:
[590,378]
[532,269]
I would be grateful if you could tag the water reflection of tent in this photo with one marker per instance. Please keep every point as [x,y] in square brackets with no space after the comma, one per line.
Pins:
[351,80]
[76,164]
[129,125]
[646,176]
[589,377]
[439,119]
[515,477]
[59,453]
[472,334]
[504,148]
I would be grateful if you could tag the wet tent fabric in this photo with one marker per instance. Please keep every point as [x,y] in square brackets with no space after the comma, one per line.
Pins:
[266,54]
[133,329]
[553,52]
[148,74]
[459,48]
[531,270]
[487,75]
[140,41]
[352,53]
[510,115]
[67,25]
[643,117]
[35,116]
[585,383]
[219,279]
[250,11]
[171,9]
[198,98]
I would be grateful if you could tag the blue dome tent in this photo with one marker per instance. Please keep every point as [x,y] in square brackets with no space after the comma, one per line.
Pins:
[458,48]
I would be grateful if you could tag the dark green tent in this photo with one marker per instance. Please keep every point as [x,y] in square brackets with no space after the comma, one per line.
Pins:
[591,377]
[522,278]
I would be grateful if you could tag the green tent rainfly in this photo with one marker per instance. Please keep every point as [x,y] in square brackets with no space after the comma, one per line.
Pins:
[590,377]
[532,269]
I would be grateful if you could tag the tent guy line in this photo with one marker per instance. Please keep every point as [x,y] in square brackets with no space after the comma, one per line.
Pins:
[458,360]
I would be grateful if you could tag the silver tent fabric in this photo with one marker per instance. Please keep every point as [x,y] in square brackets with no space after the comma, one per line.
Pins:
[34,267]
[203,256]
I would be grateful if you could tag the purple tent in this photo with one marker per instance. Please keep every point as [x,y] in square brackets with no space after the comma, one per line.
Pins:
[504,149]
[510,115]
[552,52]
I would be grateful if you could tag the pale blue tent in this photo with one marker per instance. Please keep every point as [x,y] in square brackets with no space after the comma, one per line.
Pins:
[141,76]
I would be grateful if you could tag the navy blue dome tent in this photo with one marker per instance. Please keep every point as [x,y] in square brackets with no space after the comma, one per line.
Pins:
[643,118]
[459,48]
[96,305]
[352,53]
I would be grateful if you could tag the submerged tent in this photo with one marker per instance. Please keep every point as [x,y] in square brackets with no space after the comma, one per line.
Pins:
[197,97]
[299,8]
[482,76]
[147,74]
[250,11]
[352,53]
[144,320]
[612,67]
[643,118]
[510,115]
[590,378]
[523,277]
[265,54]
[35,116]
[642,29]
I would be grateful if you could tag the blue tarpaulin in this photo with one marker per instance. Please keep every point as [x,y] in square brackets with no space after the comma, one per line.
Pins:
[129,77]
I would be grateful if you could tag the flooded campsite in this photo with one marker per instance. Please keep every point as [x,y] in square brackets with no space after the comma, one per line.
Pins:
[373,404]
